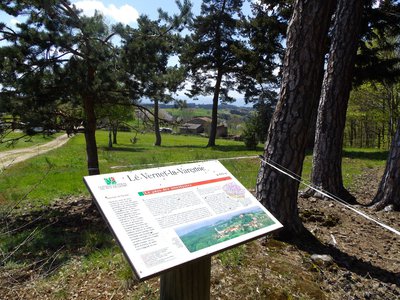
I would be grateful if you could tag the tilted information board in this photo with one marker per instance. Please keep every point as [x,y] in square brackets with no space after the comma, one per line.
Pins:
[164,217]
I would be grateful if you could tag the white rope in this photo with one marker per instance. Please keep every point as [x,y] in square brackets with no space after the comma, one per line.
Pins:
[335,198]
[185,162]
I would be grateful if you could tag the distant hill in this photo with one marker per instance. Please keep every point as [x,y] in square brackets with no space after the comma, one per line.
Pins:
[204,106]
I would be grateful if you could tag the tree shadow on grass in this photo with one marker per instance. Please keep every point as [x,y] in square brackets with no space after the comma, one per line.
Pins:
[310,244]
[43,240]
[184,146]
[376,155]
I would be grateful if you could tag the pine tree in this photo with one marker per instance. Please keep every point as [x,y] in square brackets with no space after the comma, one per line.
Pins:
[210,55]
[286,140]
[327,155]
[58,56]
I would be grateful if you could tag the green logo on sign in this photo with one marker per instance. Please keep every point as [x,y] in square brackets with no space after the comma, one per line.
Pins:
[110,181]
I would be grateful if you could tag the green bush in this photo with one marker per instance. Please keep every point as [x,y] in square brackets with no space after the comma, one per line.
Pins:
[250,136]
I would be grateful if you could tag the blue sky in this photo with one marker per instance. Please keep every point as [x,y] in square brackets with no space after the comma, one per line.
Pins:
[127,12]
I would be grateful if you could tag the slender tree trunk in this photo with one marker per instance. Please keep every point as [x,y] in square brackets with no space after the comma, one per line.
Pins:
[156,124]
[90,125]
[90,136]
[379,138]
[110,144]
[217,88]
[389,187]
[351,132]
[214,115]
[287,136]
[327,157]
[114,133]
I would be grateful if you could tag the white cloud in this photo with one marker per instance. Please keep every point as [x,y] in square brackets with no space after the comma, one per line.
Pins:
[14,21]
[125,14]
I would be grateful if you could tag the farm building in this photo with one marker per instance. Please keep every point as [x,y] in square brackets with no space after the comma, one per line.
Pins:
[200,125]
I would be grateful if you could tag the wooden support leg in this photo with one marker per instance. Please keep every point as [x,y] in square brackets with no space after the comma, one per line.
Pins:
[188,282]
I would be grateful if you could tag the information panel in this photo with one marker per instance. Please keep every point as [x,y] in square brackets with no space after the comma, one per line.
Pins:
[164,217]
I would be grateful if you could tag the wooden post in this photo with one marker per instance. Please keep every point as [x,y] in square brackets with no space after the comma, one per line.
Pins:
[190,281]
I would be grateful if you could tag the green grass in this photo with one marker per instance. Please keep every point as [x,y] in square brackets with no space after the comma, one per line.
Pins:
[24,142]
[59,173]
[189,112]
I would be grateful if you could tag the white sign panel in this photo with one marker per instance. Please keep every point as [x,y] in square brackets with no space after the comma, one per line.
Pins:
[164,217]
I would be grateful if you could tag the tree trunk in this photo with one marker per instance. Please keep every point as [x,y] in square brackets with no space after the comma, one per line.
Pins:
[217,88]
[287,136]
[90,126]
[90,136]
[110,144]
[352,129]
[214,115]
[389,187]
[156,124]
[115,132]
[327,157]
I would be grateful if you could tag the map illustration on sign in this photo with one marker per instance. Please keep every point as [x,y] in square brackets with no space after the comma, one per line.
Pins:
[164,217]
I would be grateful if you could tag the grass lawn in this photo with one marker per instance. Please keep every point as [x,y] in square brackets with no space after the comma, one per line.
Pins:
[59,173]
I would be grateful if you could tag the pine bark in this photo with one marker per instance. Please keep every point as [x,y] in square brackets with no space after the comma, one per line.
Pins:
[331,118]
[90,137]
[389,187]
[156,125]
[114,133]
[90,127]
[110,144]
[300,90]
[214,114]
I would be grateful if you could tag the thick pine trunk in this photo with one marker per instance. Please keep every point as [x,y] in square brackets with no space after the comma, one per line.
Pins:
[389,187]
[287,136]
[156,125]
[214,115]
[327,158]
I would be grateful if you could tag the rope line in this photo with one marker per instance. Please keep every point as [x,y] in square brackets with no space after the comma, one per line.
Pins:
[327,194]
[185,162]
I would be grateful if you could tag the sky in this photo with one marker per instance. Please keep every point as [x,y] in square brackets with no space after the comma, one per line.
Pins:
[127,12]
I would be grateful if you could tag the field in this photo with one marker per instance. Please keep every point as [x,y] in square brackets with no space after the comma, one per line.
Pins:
[55,245]
[59,173]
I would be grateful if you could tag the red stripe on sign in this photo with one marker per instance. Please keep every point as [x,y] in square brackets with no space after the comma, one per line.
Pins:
[184,186]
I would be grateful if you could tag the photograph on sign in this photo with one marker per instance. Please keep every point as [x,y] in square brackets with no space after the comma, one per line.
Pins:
[164,217]
[222,228]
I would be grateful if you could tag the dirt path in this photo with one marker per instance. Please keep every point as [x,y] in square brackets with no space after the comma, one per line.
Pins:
[8,158]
